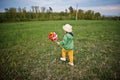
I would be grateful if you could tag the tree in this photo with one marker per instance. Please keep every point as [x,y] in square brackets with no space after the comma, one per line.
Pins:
[72,13]
[19,10]
[71,9]
[24,14]
[33,8]
[66,11]
[97,15]
[19,13]
[80,14]
[36,11]
[7,15]
[43,13]
[6,10]
[50,9]
[11,13]
[89,15]
[43,9]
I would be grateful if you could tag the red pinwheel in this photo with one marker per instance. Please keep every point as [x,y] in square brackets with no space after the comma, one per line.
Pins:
[52,36]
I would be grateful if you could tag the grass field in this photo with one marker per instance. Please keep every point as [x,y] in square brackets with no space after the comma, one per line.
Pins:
[27,54]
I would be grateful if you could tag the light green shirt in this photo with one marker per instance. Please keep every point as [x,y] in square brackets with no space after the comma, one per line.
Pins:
[67,43]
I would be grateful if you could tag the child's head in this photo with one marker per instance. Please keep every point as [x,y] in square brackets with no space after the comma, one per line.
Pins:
[67,28]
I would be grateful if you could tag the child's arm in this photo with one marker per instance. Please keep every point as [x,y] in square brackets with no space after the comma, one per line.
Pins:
[59,44]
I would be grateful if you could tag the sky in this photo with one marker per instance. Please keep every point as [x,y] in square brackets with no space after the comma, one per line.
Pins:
[105,7]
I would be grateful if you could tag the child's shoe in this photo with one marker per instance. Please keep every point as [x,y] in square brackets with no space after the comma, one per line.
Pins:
[63,59]
[71,64]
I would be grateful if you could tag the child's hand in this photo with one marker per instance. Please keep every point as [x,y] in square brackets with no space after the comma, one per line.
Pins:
[58,43]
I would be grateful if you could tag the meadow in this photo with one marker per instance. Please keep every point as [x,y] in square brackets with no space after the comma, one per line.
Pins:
[26,53]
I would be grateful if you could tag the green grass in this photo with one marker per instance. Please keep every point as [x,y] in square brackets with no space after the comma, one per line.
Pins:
[27,54]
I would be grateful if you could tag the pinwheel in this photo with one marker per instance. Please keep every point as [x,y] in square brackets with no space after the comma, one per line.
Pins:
[52,36]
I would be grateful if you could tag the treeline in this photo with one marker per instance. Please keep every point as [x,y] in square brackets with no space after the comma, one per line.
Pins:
[42,13]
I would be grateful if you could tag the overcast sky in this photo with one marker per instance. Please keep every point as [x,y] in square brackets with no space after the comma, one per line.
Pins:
[105,7]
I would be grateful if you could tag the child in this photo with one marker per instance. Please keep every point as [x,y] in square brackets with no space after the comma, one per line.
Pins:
[67,44]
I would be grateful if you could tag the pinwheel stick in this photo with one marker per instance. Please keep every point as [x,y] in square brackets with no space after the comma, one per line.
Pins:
[56,43]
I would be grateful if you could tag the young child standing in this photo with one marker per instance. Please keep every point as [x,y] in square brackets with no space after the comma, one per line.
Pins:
[67,44]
